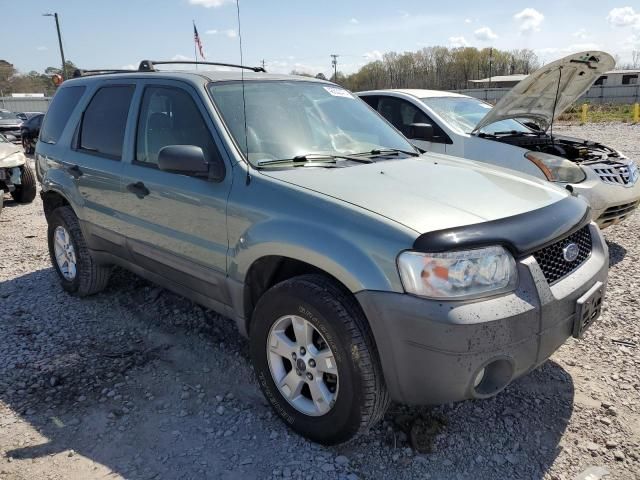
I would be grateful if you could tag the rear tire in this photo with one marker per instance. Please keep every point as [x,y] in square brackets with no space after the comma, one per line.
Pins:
[359,398]
[26,191]
[86,276]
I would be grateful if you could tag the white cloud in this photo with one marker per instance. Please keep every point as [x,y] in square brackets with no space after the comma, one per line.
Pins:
[129,66]
[468,20]
[559,52]
[403,13]
[42,48]
[581,34]
[179,57]
[485,34]
[209,3]
[530,20]
[624,17]
[373,55]
[458,42]
[231,33]
[354,21]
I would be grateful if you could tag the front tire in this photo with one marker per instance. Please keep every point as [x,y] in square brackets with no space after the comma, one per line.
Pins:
[79,273]
[316,360]
[26,191]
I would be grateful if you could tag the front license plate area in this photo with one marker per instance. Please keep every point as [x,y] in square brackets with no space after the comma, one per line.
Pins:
[588,308]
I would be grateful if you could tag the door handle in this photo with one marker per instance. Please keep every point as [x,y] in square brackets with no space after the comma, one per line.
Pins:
[138,189]
[74,171]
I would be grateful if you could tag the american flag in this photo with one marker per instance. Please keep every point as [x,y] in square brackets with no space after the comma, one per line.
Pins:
[196,38]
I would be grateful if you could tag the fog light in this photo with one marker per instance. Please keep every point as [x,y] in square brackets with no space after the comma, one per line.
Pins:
[479,378]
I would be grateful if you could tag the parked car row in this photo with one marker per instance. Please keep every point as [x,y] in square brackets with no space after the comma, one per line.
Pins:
[363,269]
[517,133]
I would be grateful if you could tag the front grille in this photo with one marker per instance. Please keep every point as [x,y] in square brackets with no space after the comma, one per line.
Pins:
[617,173]
[617,213]
[551,258]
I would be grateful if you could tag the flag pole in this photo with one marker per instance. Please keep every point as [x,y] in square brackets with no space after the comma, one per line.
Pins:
[195,47]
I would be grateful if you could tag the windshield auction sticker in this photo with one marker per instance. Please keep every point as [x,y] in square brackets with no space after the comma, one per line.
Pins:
[338,92]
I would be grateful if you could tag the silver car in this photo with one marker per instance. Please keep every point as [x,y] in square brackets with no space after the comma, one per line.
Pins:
[361,271]
[517,132]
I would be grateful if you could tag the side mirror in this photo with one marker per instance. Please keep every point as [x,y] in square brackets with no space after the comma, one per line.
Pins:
[184,159]
[421,131]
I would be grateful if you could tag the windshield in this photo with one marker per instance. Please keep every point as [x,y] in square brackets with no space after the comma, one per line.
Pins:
[4,115]
[465,113]
[286,119]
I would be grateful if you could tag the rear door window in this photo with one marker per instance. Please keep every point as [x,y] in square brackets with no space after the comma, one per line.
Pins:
[104,121]
[62,105]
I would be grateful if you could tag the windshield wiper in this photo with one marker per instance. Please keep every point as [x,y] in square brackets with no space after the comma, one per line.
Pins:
[312,157]
[377,152]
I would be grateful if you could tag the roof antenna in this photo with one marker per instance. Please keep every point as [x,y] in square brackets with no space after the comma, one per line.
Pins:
[555,102]
[244,101]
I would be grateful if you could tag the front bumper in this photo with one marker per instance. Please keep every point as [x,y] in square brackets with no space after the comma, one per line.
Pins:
[432,351]
[610,204]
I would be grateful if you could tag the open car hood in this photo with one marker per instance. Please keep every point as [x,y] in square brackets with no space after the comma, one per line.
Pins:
[534,97]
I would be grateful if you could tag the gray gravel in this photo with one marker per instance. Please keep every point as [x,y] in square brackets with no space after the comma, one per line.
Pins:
[139,383]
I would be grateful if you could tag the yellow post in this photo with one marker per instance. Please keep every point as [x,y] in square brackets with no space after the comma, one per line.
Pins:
[585,107]
[636,113]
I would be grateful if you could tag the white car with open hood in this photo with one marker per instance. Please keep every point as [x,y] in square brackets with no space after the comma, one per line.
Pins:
[517,132]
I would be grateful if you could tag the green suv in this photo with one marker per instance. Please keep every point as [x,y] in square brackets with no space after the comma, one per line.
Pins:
[361,271]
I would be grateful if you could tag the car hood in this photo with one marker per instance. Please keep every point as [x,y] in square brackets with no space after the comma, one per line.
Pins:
[6,151]
[10,122]
[428,193]
[534,97]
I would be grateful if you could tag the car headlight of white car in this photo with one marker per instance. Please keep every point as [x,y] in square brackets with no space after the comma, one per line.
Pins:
[557,169]
[458,275]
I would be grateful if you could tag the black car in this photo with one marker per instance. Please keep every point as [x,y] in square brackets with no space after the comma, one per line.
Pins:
[24,116]
[30,131]
[10,123]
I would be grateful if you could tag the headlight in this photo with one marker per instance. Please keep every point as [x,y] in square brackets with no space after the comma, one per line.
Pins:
[557,169]
[457,275]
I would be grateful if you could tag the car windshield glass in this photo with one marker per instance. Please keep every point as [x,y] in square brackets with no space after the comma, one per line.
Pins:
[286,119]
[8,116]
[465,113]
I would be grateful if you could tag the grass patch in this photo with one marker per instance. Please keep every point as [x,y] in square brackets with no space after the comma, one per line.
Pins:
[606,112]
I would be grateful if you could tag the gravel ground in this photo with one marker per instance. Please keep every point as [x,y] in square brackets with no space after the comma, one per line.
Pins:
[139,383]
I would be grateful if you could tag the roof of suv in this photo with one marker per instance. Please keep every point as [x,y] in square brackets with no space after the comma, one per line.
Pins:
[210,75]
[416,92]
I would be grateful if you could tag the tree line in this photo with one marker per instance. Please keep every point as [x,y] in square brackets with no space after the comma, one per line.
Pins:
[12,81]
[439,68]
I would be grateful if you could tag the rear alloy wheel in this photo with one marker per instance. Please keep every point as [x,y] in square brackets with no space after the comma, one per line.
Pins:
[79,273]
[316,360]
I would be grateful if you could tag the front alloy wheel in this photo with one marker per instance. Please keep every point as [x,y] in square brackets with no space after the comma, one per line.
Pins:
[315,359]
[302,365]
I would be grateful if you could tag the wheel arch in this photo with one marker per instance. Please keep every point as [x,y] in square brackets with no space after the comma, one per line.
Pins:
[52,199]
[270,270]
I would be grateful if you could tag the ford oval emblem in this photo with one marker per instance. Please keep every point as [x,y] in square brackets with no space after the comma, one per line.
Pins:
[570,252]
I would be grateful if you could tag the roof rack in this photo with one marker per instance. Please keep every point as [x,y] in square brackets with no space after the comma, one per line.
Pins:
[81,73]
[148,65]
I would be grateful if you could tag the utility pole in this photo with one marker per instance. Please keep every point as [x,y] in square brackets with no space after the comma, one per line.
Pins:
[490,62]
[64,63]
[334,62]
[263,63]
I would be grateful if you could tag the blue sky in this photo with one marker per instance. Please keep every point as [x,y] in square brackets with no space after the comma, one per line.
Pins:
[301,34]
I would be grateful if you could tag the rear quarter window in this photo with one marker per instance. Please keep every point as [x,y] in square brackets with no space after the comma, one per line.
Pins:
[62,105]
